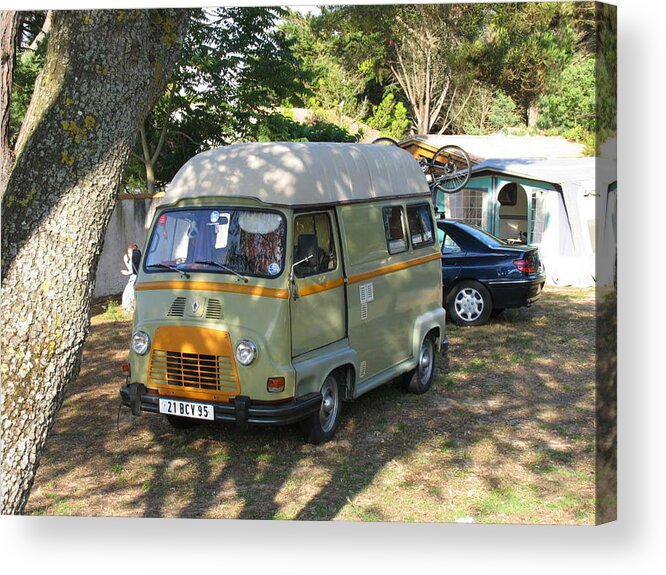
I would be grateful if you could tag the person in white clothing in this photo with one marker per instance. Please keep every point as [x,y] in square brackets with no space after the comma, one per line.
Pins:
[131,258]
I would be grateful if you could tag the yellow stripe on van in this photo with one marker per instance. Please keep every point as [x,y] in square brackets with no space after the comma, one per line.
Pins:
[215,287]
[317,288]
[393,268]
[282,293]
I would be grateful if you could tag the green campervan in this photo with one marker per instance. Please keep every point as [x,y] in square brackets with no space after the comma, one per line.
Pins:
[280,279]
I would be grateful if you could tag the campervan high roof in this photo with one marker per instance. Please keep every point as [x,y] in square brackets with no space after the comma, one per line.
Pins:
[300,173]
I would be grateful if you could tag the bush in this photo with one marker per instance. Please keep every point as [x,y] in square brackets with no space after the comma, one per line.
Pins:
[503,113]
[569,105]
[390,117]
[280,128]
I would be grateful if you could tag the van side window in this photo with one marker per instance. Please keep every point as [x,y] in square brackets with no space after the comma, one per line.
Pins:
[420,224]
[318,225]
[395,229]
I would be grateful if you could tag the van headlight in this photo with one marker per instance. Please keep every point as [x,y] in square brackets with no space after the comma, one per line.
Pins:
[246,351]
[140,342]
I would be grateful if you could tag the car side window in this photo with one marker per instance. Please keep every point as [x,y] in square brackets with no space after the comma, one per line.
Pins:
[449,246]
[419,220]
[394,226]
[318,225]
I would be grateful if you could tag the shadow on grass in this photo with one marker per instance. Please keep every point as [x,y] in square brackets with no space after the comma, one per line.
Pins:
[520,389]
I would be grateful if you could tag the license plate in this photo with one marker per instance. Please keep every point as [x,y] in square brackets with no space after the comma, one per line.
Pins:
[186,409]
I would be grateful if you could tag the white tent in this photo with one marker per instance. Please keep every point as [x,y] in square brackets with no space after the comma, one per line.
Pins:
[578,240]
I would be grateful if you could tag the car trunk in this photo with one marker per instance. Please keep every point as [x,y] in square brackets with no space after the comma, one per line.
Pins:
[530,254]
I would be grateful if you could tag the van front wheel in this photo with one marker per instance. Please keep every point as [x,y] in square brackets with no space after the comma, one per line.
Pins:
[320,426]
[420,380]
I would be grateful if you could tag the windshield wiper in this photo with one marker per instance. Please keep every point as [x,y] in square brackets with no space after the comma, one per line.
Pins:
[168,267]
[222,266]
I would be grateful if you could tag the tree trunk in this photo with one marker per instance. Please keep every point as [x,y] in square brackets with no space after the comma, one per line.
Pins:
[532,115]
[103,72]
[9,24]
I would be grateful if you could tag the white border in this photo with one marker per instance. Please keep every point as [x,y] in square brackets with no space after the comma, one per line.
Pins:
[632,544]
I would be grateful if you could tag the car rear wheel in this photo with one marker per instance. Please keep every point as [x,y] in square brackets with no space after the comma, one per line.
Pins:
[470,304]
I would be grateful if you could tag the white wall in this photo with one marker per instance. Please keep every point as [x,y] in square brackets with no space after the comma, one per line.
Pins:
[129,224]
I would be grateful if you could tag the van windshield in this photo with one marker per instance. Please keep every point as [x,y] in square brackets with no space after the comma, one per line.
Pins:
[218,240]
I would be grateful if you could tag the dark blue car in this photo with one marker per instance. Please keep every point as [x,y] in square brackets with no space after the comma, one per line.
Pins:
[483,275]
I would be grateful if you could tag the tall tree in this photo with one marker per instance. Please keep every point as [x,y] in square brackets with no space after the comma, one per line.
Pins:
[336,57]
[234,67]
[430,61]
[103,71]
[423,48]
[9,26]
[527,46]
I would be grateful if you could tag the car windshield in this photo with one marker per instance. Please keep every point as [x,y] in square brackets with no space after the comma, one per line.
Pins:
[486,238]
[218,240]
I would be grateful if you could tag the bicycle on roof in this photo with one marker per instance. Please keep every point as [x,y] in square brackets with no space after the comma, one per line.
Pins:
[448,170]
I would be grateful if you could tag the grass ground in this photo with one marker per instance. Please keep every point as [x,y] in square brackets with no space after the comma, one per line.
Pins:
[507,435]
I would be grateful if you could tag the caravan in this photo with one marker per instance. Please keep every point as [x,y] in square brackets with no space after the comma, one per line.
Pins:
[281,279]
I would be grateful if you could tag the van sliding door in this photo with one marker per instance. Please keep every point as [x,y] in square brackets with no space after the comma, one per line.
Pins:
[318,315]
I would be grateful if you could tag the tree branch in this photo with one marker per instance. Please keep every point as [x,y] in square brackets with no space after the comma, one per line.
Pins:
[46,28]
[9,25]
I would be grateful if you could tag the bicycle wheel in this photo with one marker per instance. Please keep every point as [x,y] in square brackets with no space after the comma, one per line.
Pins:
[386,141]
[450,169]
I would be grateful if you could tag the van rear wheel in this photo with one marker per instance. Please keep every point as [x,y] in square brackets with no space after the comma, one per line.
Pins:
[420,380]
[320,426]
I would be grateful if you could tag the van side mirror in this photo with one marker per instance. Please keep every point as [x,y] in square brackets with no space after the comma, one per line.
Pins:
[307,248]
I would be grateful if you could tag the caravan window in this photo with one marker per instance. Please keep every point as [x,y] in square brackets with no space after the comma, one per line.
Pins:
[420,224]
[394,226]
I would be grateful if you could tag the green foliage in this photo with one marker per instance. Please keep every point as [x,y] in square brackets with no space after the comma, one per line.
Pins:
[528,45]
[26,71]
[239,64]
[487,112]
[281,128]
[504,112]
[390,117]
[568,108]
[113,311]
[235,66]
[569,104]
[423,48]
[606,72]
[339,65]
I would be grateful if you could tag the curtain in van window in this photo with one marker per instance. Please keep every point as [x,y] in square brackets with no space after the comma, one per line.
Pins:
[395,229]
[419,220]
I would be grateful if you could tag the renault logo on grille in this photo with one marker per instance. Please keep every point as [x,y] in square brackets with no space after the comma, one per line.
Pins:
[196,304]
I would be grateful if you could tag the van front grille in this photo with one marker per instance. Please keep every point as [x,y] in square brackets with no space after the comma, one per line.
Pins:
[192,370]
[193,360]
